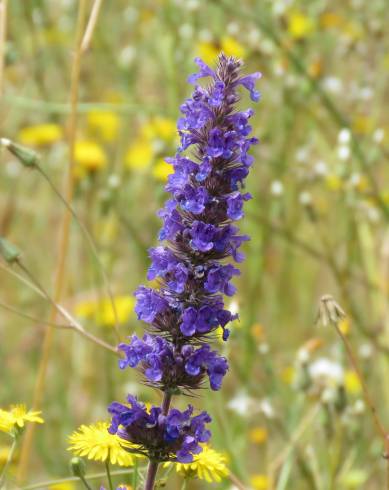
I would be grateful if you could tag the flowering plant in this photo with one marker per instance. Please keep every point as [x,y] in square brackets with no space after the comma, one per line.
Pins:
[191,267]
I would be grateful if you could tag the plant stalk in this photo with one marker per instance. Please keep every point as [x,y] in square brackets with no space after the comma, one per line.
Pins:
[153,465]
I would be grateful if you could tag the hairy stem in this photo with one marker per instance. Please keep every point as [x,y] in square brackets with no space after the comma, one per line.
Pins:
[153,465]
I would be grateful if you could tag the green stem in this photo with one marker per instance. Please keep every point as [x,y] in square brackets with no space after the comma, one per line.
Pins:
[108,471]
[91,243]
[86,484]
[184,484]
[135,474]
[8,462]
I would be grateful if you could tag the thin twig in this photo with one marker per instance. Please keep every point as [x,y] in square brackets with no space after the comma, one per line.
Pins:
[63,245]
[32,318]
[380,429]
[73,323]
[91,25]
[235,481]
[3,38]
[92,246]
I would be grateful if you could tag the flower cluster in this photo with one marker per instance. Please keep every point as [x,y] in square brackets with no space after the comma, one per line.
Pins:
[162,437]
[168,365]
[191,265]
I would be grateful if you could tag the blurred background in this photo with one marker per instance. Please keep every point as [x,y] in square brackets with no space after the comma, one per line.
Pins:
[291,413]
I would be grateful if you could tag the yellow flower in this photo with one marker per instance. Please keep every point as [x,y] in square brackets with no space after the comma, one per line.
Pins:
[288,374]
[258,435]
[17,416]
[162,170]
[209,465]
[330,19]
[258,331]
[104,123]
[159,128]
[89,155]
[96,443]
[299,25]
[209,51]
[344,325]
[363,124]
[352,383]
[260,482]
[231,47]
[101,311]
[66,485]
[333,182]
[140,155]
[40,134]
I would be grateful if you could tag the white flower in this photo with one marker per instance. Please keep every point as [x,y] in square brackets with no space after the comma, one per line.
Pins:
[242,404]
[333,84]
[233,307]
[344,152]
[378,135]
[344,136]
[366,351]
[320,168]
[233,28]
[324,370]
[305,198]
[276,188]
[186,31]
[266,408]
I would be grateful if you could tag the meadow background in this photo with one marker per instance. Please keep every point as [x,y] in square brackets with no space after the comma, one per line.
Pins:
[291,413]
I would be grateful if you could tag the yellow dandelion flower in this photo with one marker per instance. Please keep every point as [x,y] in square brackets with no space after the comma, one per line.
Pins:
[159,128]
[288,375]
[209,465]
[299,25]
[333,182]
[329,20]
[89,156]
[260,482]
[363,125]
[258,331]
[352,30]
[231,47]
[17,416]
[139,155]
[124,486]
[162,170]
[101,311]
[96,443]
[6,421]
[352,383]
[40,134]
[104,123]
[208,51]
[66,485]
[258,435]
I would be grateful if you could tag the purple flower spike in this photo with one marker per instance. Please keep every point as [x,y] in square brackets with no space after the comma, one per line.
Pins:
[192,267]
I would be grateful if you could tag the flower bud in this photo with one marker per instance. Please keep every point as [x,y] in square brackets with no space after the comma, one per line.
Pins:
[8,251]
[26,157]
[77,467]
